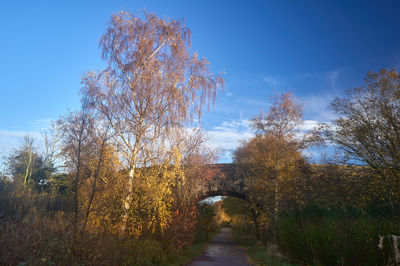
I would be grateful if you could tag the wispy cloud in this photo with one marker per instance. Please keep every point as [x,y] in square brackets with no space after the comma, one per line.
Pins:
[316,107]
[271,80]
[257,80]
[10,139]
[13,134]
[329,76]
[41,124]
[332,77]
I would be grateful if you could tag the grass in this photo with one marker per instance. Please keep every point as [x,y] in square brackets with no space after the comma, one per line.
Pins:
[259,254]
[189,253]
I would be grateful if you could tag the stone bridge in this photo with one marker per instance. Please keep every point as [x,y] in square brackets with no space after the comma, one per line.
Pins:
[227,180]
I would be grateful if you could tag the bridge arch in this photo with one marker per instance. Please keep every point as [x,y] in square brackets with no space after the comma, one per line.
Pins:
[227,179]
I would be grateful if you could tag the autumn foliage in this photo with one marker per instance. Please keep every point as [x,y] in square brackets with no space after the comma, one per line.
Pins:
[119,180]
[129,168]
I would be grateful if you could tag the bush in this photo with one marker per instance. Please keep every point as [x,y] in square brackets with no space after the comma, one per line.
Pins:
[18,202]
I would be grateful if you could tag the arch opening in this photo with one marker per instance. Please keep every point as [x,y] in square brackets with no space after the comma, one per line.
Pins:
[213,194]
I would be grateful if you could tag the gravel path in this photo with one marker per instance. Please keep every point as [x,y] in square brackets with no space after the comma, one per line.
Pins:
[222,250]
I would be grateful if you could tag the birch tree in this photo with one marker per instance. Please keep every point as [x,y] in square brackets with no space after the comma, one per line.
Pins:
[282,119]
[152,84]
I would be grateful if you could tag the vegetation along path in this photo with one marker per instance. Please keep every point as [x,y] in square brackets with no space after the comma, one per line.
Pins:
[221,251]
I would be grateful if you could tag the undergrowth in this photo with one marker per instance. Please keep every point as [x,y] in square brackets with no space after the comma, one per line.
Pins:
[36,229]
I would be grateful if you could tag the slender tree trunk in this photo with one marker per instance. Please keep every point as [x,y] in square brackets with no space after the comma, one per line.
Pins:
[277,203]
[276,207]
[390,195]
[96,175]
[78,172]
[245,219]
[28,171]
[256,224]
[76,183]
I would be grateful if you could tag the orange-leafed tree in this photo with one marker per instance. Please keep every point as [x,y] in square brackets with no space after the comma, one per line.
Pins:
[367,129]
[276,152]
[195,158]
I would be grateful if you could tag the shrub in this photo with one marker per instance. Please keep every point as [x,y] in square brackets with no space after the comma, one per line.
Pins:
[37,229]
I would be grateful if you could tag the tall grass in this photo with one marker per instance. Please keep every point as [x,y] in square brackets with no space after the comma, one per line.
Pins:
[335,237]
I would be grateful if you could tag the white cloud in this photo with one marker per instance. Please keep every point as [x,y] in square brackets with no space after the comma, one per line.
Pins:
[313,124]
[227,136]
[308,125]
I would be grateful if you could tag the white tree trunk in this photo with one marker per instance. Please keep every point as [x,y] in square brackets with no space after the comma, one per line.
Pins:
[276,207]
[128,199]
[28,171]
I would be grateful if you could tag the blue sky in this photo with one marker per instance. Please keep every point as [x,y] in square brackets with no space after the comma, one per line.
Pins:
[315,49]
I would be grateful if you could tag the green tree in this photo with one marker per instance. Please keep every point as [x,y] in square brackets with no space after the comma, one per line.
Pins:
[27,166]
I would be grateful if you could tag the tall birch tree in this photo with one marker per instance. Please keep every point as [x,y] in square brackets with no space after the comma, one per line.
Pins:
[152,84]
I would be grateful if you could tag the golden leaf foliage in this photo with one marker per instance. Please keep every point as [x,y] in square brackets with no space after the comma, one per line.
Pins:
[275,153]
[105,210]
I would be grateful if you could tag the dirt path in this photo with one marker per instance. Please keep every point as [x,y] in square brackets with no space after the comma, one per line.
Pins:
[222,250]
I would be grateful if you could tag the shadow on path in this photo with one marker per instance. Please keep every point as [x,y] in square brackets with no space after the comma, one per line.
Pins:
[222,250]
